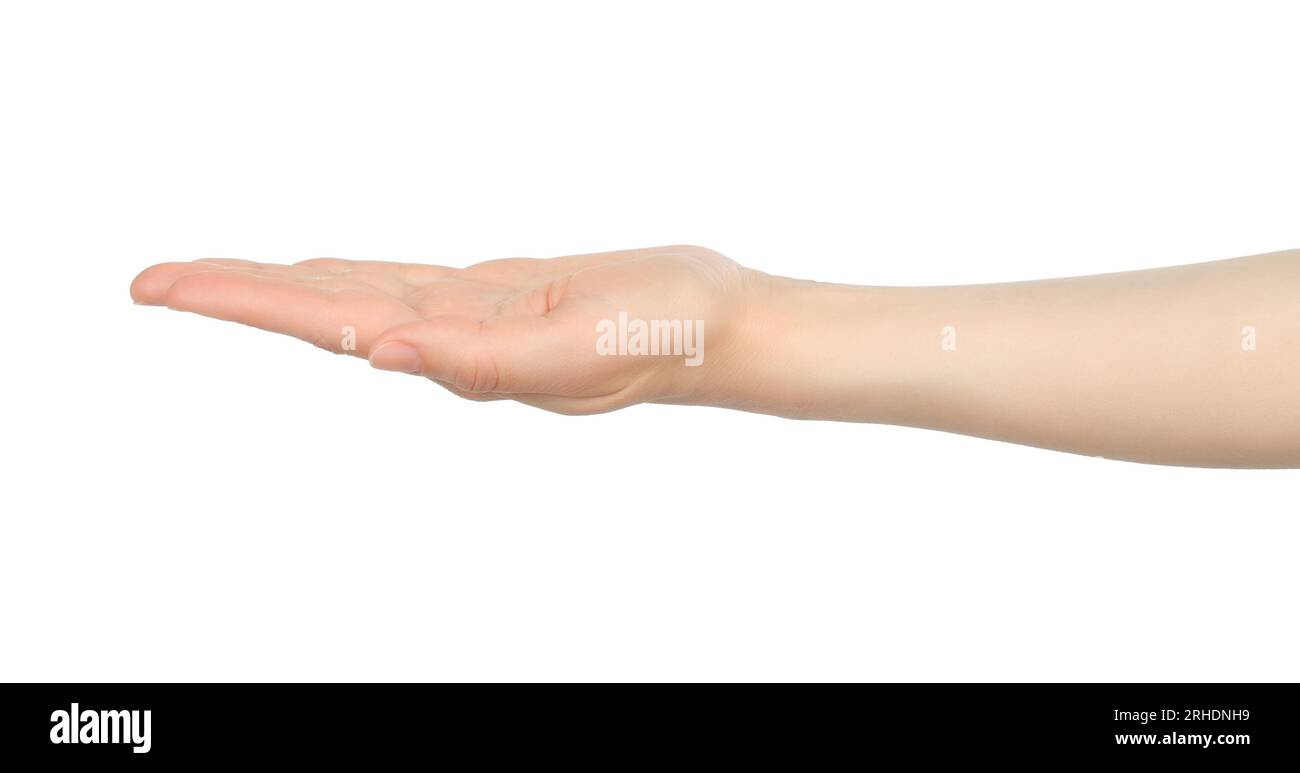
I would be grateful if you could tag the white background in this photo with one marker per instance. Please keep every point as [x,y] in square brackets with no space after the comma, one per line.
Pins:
[188,499]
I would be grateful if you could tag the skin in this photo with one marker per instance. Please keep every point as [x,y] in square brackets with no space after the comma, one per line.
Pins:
[1191,365]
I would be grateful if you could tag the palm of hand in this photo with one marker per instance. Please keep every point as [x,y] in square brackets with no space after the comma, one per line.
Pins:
[520,328]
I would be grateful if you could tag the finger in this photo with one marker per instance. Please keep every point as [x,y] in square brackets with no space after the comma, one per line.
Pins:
[416,274]
[376,274]
[340,320]
[500,354]
[284,270]
[150,286]
[318,266]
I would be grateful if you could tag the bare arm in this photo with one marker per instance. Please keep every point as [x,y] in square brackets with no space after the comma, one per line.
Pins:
[1189,365]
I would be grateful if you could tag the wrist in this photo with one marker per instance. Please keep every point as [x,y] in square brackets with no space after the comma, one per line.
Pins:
[800,349]
[814,350]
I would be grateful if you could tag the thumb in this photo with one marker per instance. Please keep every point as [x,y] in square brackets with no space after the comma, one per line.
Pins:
[498,354]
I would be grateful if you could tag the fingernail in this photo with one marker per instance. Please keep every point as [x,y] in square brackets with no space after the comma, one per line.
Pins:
[397,356]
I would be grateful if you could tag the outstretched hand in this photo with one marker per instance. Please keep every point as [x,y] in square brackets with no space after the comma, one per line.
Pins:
[523,329]
[1134,365]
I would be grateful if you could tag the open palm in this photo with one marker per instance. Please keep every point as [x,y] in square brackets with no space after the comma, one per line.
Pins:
[519,328]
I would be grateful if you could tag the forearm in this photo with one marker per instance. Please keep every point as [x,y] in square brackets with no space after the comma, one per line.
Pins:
[1192,365]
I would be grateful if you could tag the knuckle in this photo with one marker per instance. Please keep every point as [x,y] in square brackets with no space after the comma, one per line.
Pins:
[479,374]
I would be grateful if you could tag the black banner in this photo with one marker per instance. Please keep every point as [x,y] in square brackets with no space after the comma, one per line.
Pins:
[150,724]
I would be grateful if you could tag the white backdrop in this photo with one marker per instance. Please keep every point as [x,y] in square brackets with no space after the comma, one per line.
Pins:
[188,499]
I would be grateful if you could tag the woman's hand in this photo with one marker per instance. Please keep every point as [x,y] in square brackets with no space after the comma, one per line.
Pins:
[1194,365]
[544,332]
